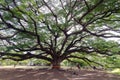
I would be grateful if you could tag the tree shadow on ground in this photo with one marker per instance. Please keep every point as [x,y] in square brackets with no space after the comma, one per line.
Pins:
[45,74]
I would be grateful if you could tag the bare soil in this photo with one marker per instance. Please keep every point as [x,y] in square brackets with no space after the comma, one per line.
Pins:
[47,74]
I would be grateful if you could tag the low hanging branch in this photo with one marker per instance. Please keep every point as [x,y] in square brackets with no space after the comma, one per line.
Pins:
[21,57]
[88,61]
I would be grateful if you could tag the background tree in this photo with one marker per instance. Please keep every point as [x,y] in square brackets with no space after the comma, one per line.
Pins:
[55,30]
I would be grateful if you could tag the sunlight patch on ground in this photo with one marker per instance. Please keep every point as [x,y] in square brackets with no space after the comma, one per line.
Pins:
[26,67]
[117,71]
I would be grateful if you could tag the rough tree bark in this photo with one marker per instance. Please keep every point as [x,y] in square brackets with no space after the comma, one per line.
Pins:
[56,64]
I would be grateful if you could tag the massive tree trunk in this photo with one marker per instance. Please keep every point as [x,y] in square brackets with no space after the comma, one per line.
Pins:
[56,64]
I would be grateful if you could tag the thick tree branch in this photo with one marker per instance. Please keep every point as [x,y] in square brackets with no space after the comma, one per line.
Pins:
[85,59]
[20,57]
[90,10]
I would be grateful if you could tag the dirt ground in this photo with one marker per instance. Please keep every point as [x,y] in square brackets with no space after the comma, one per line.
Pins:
[47,74]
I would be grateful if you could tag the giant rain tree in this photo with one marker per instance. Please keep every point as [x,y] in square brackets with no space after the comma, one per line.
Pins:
[54,30]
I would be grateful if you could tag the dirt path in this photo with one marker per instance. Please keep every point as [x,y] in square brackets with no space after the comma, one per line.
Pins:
[44,74]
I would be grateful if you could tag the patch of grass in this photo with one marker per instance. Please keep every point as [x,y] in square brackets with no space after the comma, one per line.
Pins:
[116,71]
